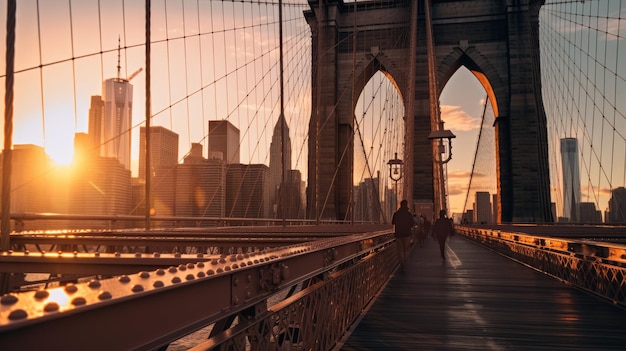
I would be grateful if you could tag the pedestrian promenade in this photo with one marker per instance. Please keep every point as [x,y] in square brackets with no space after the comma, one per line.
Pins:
[480,300]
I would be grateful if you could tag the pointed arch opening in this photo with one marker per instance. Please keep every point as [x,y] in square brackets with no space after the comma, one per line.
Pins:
[378,138]
[468,106]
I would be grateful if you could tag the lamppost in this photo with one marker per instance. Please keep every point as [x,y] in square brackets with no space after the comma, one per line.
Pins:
[444,147]
[395,172]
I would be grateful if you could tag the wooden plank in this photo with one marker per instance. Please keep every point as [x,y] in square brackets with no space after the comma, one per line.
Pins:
[479,300]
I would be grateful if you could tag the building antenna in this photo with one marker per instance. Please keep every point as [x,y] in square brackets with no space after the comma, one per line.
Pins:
[119,48]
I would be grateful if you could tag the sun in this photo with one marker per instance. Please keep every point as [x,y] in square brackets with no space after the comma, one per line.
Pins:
[61,155]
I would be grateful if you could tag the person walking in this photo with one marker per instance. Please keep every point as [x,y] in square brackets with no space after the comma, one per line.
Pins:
[403,221]
[442,229]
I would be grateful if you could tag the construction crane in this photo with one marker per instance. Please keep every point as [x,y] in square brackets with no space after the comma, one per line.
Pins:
[134,74]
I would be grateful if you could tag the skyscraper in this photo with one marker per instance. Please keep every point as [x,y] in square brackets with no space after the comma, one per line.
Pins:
[617,206]
[279,160]
[571,178]
[163,150]
[96,126]
[117,94]
[224,138]
[482,208]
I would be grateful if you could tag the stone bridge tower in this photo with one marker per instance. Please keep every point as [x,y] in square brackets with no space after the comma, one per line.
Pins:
[497,40]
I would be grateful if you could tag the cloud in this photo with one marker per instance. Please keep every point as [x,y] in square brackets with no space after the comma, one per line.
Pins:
[458,119]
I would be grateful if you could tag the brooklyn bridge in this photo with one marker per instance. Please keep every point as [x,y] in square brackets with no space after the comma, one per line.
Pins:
[221,175]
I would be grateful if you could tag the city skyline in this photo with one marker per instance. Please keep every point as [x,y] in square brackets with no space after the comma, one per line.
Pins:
[53,93]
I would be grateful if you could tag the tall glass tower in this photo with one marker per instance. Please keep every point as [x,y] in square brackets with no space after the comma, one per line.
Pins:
[571,178]
[117,94]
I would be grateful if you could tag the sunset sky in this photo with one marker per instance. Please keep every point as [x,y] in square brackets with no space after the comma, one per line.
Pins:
[62,59]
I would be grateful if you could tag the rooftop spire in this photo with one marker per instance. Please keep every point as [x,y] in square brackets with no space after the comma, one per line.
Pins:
[119,48]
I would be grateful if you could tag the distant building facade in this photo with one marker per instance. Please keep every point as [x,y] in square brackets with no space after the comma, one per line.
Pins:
[247,191]
[163,150]
[571,178]
[482,208]
[617,206]
[224,138]
[280,163]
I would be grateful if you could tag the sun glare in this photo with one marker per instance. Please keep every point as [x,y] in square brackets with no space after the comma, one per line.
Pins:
[60,155]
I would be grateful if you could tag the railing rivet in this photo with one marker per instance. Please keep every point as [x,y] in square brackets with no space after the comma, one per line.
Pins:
[41,294]
[17,314]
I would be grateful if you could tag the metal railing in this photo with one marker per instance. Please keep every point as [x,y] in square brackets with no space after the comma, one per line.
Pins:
[302,296]
[596,267]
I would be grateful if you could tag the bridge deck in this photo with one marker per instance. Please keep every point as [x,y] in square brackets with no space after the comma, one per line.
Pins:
[479,300]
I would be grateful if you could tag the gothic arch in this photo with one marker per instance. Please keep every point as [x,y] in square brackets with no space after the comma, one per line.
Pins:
[496,40]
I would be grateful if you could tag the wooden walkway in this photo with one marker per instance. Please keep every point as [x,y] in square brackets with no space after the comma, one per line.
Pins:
[479,300]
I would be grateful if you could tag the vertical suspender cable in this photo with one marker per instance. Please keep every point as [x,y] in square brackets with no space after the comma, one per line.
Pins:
[409,113]
[440,199]
[318,112]
[8,140]
[8,126]
[283,162]
[148,113]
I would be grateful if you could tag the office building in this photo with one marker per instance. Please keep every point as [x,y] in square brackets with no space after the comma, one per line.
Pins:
[224,138]
[617,206]
[482,208]
[163,150]
[102,186]
[571,178]
[200,186]
[247,191]
[280,160]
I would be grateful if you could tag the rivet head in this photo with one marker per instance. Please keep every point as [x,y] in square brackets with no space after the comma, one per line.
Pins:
[219,270]
[222,260]
[8,299]
[160,271]
[190,277]
[156,254]
[176,280]
[117,254]
[200,264]
[94,284]
[104,295]
[235,266]
[70,288]
[51,307]
[190,265]
[172,270]
[26,252]
[181,267]
[97,254]
[242,264]
[41,294]
[201,275]
[158,284]
[214,262]
[137,288]
[124,279]
[210,272]
[177,255]
[144,275]
[200,255]
[17,314]
[227,268]
[79,301]
[75,253]
[138,255]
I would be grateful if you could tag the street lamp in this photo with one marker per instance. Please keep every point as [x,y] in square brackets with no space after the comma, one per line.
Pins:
[395,168]
[395,172]
[443,134]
